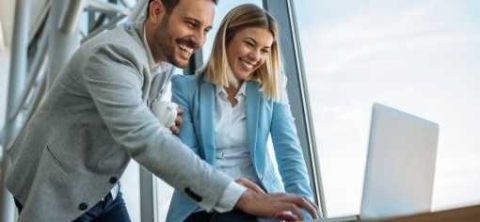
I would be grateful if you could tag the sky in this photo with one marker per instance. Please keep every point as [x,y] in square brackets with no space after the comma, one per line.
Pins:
[417,56]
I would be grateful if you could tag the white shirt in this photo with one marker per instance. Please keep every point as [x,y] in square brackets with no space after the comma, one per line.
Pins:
[232,154]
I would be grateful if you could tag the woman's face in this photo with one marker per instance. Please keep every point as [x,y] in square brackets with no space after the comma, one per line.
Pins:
[248,50]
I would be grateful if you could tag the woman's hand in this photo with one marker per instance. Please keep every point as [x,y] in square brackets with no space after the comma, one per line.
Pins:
[249,185]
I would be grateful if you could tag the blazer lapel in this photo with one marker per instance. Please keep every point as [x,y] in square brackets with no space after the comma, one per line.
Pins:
[253,102]
[207,112]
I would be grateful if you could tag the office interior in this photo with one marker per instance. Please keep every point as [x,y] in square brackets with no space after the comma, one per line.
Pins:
[340,57]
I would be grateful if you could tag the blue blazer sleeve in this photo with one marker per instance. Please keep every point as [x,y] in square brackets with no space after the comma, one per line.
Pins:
[288,152]
[182,93]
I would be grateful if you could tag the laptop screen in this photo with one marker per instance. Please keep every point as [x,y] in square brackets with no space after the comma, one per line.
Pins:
[400,164]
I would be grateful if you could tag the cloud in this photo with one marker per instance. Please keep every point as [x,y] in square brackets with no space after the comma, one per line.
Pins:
[420,56]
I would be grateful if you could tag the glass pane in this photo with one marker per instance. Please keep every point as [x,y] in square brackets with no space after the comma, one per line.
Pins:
[163,191]
[130,187]
[419,56]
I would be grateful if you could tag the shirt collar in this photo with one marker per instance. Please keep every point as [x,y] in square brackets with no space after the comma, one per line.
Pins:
[220,91]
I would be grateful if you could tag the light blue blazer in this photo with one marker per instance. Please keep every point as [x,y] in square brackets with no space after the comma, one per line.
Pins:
[197,97]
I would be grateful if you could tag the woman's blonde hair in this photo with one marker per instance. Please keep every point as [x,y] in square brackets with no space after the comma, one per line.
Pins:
[269,75]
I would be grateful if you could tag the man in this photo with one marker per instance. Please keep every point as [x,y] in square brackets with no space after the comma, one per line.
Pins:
[96,117]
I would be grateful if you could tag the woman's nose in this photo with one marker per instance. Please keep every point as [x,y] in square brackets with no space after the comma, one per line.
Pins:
[254,55]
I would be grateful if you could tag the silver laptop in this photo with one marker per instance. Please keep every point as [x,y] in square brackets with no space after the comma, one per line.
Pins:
[400,164]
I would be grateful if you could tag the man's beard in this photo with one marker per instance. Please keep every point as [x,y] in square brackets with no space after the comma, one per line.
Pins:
[166,45]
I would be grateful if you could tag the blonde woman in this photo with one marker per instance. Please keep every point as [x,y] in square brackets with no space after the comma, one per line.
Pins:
[231,107]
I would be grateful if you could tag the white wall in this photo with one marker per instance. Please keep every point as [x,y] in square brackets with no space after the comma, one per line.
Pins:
[4,70]
[7,11]
[6,16]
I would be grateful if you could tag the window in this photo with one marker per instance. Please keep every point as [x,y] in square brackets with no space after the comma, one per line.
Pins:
[130,188]
[418,56]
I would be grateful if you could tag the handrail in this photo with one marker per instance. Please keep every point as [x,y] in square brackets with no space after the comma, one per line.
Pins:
[114,22]
[16,83]
[28,108]
[43,41]
[32,74]
[37,25]
[138,10]
[105,7]
[27,99]
[71,15]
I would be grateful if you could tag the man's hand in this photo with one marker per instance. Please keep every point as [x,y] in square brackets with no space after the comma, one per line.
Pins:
[279,205]
[178,121]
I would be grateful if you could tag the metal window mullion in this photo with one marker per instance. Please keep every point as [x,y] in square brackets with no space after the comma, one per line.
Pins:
[195,62]
[147,196]
[297,90]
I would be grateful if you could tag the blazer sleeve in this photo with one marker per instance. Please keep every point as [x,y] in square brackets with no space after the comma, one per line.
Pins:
[115,83]
[288,152]
[182,93]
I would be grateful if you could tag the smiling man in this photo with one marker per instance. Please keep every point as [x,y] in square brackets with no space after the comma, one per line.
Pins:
[67,161]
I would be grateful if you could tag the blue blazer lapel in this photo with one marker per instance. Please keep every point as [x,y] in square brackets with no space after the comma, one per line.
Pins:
[252,106]
[207,117]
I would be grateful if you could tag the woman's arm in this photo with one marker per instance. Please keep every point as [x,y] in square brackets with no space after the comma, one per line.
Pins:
[288,152]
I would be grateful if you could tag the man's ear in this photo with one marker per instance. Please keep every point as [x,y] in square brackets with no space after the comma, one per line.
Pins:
[156,10]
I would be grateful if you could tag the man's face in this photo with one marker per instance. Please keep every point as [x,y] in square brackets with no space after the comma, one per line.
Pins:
[182,31]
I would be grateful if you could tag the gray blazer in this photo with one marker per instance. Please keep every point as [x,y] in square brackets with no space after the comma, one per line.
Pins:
[95,118]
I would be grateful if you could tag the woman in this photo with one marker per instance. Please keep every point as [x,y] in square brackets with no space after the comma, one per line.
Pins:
[232,105]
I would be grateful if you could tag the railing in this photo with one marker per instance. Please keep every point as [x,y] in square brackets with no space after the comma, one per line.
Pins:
[30,52]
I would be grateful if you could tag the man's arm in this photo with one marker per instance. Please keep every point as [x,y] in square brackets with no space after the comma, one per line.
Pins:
[279,205]
[115,85]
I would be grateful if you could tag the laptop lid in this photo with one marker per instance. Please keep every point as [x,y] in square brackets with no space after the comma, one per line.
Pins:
[400,164]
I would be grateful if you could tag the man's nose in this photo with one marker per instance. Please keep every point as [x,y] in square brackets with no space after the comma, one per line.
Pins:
[198,39]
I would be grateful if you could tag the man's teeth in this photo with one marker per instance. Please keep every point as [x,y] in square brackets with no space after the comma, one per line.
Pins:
[186,48]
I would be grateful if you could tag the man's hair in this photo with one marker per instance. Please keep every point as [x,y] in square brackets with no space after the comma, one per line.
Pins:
[168,4]
[269,75]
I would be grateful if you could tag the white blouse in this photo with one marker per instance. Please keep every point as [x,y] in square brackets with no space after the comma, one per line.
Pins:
[232,154]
